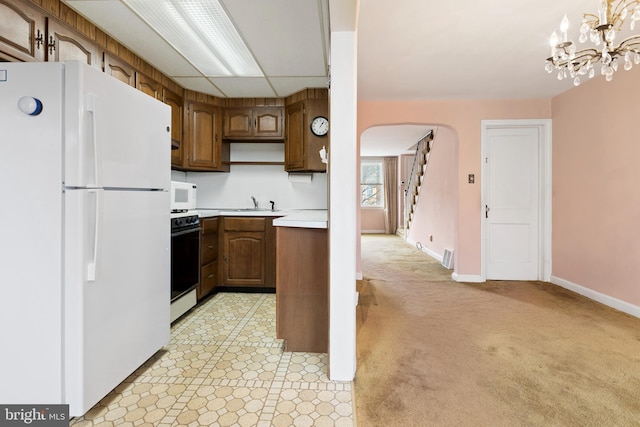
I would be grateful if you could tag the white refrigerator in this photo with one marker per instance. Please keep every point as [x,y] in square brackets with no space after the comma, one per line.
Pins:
[84,232]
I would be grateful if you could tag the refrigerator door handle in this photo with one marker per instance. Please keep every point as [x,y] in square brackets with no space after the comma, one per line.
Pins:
[93,265]
[92,107]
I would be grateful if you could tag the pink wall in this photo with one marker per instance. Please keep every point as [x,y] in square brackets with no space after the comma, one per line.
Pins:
[596,195]
[464,118]
[436,210]
[372,220]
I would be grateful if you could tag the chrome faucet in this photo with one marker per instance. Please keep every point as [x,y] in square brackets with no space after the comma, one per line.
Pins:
[255,202]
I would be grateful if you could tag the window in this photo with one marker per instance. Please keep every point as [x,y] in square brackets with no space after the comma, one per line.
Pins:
[371,183]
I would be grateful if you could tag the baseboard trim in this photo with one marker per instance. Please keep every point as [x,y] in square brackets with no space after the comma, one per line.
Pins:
[426,250]
[607,300]
[359,275]
[472,278]
[372,231]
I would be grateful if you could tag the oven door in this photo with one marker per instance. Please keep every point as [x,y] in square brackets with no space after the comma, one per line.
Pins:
[185,261]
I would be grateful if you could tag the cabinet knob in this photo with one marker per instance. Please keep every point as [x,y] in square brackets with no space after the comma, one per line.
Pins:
[210,246]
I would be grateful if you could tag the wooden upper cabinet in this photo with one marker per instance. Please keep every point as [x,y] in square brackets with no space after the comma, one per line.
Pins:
[294,145]
[204,144]
[268,123]
[301,146]
[258,123]
[64,44]
[237,122]
[22,32]
[176,103]
[149,86]
[119,69]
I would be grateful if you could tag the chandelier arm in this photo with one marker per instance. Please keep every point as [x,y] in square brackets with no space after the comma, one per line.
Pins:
[590,18]
[581,58]
[629,44]
[616,15]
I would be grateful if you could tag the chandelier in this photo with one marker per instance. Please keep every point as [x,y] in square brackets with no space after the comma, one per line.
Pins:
[601,30]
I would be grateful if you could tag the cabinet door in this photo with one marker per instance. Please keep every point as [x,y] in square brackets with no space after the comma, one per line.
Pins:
[204,144]
[119,69]
[268,123]
[313,144]
[23,32]
[209,248]
[237,122]
[244,258]
[147,85]
[64,44]
[176,103]
[208,279]
[294,143]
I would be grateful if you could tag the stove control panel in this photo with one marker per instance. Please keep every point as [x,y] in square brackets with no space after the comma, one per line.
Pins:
[182,222]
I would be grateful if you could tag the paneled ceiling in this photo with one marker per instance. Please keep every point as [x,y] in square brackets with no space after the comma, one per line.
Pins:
[289,40]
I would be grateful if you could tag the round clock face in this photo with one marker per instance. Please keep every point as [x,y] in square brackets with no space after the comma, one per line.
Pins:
[320,126]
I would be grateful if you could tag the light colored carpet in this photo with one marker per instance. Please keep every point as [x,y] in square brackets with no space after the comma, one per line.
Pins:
[433,352]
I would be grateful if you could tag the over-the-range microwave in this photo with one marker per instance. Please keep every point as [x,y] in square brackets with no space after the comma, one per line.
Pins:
[183,196]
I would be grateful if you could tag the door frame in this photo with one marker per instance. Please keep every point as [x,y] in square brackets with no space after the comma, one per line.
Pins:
[544,205]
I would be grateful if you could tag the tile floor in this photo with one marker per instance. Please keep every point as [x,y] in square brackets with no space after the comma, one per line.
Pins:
[224,367]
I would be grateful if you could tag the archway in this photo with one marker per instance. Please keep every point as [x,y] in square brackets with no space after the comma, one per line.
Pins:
[434,228]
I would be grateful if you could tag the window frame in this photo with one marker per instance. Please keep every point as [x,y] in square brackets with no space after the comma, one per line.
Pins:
[380,162]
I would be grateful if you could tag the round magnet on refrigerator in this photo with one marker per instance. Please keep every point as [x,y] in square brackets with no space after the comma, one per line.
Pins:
[30,105]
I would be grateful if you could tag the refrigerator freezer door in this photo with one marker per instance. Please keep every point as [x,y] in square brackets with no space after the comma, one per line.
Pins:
[117,289]
[31,236]
[116,136]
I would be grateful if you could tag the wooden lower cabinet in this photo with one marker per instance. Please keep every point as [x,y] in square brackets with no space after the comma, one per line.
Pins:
[302,289]
[248,252]
[209,244]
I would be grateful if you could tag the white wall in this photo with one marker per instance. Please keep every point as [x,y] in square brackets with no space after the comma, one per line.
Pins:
[344,200]
[264,182]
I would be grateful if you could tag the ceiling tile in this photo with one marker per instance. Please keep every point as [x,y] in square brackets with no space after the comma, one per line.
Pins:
[286,86]
[244,87]
[285,36]
[199,84]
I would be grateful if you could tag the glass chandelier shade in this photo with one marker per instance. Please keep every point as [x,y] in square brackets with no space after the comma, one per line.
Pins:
[601,31]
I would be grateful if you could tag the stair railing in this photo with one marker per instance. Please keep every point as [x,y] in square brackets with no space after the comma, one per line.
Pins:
[414,179]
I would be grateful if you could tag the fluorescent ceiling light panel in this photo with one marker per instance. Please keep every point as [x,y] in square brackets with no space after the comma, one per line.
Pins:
[202,32]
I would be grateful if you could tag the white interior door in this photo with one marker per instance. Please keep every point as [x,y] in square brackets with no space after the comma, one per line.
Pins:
[512,203]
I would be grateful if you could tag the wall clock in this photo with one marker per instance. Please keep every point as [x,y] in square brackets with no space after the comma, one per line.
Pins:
[320,126]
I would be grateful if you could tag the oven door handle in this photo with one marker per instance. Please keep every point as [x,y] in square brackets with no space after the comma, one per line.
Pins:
[183,232]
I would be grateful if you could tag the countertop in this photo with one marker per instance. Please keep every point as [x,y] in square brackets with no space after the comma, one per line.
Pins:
[299,218]
[303,219]
[207,213]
